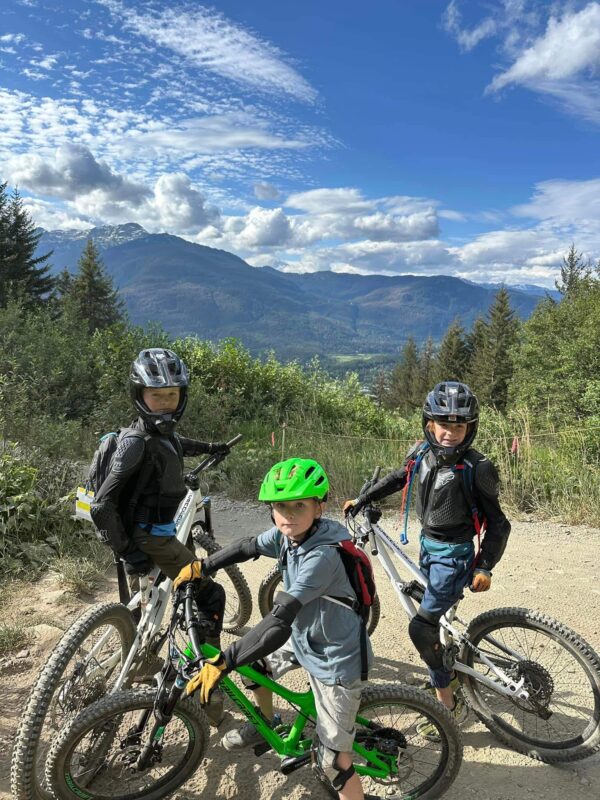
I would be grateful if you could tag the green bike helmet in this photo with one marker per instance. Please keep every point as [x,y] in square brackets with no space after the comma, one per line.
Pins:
[294,479]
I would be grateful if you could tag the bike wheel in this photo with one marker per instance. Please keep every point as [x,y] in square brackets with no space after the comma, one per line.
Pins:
[387,725]
[561,720]
[95,755]
[238,599]
[270,585]
[65,686]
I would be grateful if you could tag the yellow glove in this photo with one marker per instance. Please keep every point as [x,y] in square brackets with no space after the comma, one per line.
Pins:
[208,678]
[481,582]
[191,572]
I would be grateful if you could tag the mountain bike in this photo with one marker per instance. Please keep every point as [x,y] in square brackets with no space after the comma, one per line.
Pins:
[532,681]
[147,743]
[104,650]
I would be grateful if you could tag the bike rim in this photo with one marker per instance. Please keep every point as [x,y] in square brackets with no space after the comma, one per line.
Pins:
[558,677]
[100,766]
[416,763]
[80,685]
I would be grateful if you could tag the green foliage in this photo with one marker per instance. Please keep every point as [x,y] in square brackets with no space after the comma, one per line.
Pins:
[452,356]
[558,360]
[34,513]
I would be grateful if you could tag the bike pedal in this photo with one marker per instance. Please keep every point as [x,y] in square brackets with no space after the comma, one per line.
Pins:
[261,749]
[414,589]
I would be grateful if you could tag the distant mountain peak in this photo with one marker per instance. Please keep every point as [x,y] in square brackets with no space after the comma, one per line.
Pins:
[104,236]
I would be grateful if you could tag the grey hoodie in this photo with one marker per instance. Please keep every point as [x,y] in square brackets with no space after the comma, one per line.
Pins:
[325,635]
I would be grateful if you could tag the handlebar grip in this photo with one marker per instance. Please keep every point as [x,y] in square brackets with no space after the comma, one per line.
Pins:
[235,440]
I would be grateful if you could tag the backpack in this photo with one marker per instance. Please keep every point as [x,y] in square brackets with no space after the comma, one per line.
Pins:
[359,571]
[99,469]
[467,470]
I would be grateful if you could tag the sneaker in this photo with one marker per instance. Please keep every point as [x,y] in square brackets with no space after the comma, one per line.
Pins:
[454,683]
[428,730]
[246,736]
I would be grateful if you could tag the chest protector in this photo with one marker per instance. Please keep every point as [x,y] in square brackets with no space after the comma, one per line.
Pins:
[440,497]
[166,489]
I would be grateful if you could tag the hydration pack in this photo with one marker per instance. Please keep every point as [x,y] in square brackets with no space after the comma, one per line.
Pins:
[100,468]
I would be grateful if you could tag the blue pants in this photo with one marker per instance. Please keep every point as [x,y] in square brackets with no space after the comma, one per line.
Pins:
[448,569]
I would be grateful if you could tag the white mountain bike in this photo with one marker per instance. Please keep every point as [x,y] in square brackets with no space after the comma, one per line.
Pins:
[104,650]
[532,681]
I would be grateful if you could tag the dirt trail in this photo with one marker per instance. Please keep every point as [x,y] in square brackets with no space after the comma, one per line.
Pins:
[554,568]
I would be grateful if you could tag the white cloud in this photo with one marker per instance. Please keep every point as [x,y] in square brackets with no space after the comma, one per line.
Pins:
[467,39]
[213,43]
[72,172]
[569,46]
[12,38]
[564,202]
[266,191]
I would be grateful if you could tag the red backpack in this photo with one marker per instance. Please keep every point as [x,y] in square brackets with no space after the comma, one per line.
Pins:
[362,579]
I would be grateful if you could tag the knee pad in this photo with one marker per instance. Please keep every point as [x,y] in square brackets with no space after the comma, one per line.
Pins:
[324,763]
[426,638]
[259,666]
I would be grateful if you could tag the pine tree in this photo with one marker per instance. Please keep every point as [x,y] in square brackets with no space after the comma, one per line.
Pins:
[426,368]
[404,388]
[451,361]
[574,273]
[22,274]
[92,292]
[502,330]
[477,367]
[380,387]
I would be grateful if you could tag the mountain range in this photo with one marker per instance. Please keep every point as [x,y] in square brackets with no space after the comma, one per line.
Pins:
[189,288]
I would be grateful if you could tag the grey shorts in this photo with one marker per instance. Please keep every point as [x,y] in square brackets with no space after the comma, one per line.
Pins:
[337,704]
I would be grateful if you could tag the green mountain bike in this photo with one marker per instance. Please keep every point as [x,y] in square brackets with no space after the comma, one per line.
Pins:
[146,743]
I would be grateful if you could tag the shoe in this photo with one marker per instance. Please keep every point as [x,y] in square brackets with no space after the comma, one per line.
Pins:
[246,736]
[454,683]
[428,730]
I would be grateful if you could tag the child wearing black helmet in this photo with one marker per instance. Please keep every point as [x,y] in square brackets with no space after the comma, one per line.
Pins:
[444,500]
[158,384]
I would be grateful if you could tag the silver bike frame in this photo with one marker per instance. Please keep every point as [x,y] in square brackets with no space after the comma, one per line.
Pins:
[385,546]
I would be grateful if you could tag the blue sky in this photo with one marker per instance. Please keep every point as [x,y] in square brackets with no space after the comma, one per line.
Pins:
[393,137]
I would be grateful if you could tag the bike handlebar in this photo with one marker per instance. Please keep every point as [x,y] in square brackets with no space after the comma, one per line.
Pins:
[215,458]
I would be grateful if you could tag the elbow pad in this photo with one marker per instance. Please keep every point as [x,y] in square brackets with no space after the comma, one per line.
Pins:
[232,554]
[272,632]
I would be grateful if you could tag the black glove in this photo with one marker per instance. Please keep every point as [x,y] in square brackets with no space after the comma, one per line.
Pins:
[219,449]
[137,562]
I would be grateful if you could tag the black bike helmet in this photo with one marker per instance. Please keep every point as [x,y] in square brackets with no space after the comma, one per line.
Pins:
[157,368]
[450,401]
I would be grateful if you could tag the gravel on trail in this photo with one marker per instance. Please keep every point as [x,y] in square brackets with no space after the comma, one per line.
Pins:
[550,567]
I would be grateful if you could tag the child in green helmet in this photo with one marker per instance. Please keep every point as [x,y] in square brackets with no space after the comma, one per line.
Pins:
[308,625]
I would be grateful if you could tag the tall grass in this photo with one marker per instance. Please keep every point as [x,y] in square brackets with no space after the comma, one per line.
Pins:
[553,474]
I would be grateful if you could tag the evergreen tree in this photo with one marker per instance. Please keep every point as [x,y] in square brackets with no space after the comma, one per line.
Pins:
[92,292]
[574,273]
[497,366]
[22,273]
[426,368]
[477,349]
[451,361]
[404,388]
[380,387]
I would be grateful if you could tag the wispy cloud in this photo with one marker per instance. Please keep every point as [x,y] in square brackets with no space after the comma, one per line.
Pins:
[552,49]
[211,42]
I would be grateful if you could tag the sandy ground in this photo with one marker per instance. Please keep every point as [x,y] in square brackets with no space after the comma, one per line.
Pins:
[554,568]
